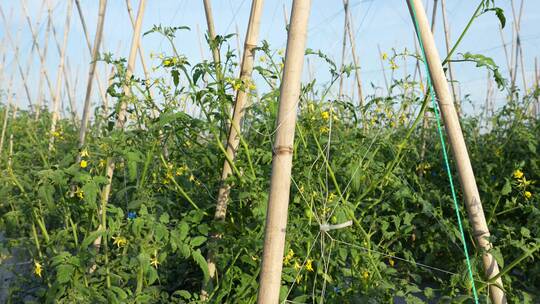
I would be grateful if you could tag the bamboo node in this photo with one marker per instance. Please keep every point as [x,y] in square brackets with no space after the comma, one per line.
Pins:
[279,150]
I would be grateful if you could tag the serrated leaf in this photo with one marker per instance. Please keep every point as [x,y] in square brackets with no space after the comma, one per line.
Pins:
[201,261]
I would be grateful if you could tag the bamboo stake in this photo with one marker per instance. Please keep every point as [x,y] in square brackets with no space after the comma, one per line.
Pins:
[448,47]
[246,68]
[358,78]
[121,119]
[64,70]
[459,149]
[383,70]
[56,100]
[6,115]
[278,202]
[92,71]
[140,48]
[536,79]
[212,36]
[90,49]
[519,49]
[200,42]
[17,59]
[508,65]
[343,45]
[43,70]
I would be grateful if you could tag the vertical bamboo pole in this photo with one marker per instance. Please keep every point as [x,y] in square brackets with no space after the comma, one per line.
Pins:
[43,70]
[536,79]
[65,73]
[448,47]
[140,49]
[383,70]
[91,74]
[343,45]
[246,68]
[56,101]
[519,49]
[200,42]
[90,49]
[212,36]
[121,119]
[6,115]
[459,149]
[508,64]
[358,78]
[280,182]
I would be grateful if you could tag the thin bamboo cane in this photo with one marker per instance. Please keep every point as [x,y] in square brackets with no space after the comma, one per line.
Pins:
[344,45]
[513,56]
[56,101]
[246,68]
[212,36]
[6,115]
[519,48]
[508,64]
[536,79]
[121,119]
[17,59]
[91,73]
[141,51]
[459,149]
[102,93]
[383,70]
[73,107]
[358,77]
[201,51]
[285,18]
[280,182]
[43,70]
[446,28]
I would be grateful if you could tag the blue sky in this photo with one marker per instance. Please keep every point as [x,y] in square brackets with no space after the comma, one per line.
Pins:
[377,22]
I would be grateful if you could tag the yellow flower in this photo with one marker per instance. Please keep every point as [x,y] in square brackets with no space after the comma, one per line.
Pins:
[297,266]
[298,279]
[393,65]
[37,268]
[309,265]
[262,58]
[119,241]
[384,56]
[191,178]
[101,163]
[518,174]
[331,197]
[84,164]
[79,193]
[288,257]
[391,262]
[325,115]
[527,194]
[56,134]
[84,153]
[281,52]
[324,129]
[154,261]
[365,275]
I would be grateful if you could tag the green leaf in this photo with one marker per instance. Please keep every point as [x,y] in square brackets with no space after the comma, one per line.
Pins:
[183,293]
[201,261]
[91,238]
[64,273]
[507,188]
[197,241]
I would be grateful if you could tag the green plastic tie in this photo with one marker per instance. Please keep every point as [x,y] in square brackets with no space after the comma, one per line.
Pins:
[445,155]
